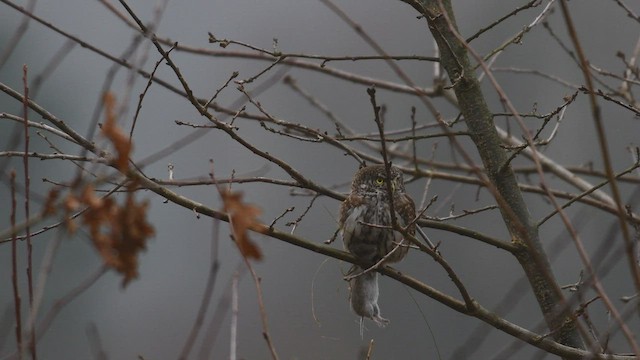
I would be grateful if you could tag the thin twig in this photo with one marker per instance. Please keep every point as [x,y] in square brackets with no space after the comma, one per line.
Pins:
[600,93]
[51,66]
[464,213]
[208,292]
[14,268]
[59,304]
[233,338]
[42,126]
[530,4]
[593,277]
[369,350]
[224,43]
[383,150]
[13,42]
[95,343]
[263,312]
[42,156]
[378,263]
[313,286]
[339,124]
[604,150]
[587,192]
[217,318]
[517,38]
[27,200]
[285,212]
[144,93]
[219,90]
[630,12]
[544,75]
[295,222]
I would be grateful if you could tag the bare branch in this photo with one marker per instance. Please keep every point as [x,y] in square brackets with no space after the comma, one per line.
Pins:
[604,150]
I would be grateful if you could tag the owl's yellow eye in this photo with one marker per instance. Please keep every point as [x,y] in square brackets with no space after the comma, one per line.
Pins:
[379,181]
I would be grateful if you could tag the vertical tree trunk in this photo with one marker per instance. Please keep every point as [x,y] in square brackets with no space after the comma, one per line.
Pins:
[524,233]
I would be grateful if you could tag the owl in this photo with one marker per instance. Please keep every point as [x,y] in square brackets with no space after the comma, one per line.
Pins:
[365,218]
[368,204]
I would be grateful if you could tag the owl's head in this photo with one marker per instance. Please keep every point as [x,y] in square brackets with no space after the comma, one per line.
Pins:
[373,179]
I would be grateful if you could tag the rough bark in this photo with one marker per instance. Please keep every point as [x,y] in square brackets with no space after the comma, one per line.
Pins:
[524,233]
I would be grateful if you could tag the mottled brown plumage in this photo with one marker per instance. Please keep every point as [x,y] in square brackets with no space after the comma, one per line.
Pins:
[364,217]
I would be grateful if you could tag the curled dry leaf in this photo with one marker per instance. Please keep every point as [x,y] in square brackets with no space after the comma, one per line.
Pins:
[111,131]
[243,217]
[119,232]
[71,204]
[49,207]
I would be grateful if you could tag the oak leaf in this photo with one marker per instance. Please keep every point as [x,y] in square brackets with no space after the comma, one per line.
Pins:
[119,233]
[111,131]
[243,217]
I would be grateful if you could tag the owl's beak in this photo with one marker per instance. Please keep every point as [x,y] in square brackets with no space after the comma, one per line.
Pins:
[393,185]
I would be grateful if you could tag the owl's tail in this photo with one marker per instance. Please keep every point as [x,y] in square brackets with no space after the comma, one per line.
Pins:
[364,295]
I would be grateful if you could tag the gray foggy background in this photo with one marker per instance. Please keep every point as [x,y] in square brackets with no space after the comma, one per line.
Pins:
[153,315]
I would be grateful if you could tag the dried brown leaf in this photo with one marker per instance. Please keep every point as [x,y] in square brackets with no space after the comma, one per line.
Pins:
[49,207]
[70,204]
[119,233]
[243,217]
[111,131]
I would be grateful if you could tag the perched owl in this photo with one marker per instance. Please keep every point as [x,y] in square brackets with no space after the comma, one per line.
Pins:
[363,216]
